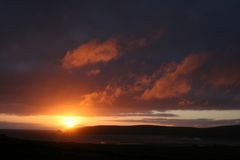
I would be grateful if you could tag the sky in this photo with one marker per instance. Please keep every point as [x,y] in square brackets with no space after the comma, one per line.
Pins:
[107,62]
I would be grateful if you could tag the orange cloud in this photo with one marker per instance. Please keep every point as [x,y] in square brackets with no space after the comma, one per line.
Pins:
[174,82]
[96,51]
[105,97]
[91,52]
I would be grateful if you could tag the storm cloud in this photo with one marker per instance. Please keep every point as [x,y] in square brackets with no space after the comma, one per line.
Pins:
[74,56]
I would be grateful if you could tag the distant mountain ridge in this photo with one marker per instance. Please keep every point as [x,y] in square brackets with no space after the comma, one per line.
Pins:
[212,132]
[223,132]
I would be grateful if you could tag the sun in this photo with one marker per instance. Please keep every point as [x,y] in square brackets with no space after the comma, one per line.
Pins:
[70,121]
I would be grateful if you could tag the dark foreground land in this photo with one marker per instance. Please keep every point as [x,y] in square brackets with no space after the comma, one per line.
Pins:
[22,149]
[123,143]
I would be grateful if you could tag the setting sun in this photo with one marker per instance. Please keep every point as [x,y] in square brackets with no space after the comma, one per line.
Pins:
[70,121]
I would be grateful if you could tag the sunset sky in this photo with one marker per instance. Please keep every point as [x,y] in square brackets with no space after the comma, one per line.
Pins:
[116,62]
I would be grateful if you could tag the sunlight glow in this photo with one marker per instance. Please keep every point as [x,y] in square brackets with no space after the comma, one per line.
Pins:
[70,121]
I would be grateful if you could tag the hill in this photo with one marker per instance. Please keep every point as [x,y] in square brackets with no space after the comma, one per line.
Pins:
[214,132]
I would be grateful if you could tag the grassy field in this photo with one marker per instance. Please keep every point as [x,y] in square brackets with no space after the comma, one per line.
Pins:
[122,143]
[23,149]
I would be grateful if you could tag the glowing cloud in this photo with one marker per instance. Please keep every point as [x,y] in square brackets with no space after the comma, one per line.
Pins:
[91,52]
[106,97]
[174,82]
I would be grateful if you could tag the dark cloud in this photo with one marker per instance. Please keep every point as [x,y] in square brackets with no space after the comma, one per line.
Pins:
[149,113]
[93,72]
[225,72]
[154,55]
[15,125]
[186,122]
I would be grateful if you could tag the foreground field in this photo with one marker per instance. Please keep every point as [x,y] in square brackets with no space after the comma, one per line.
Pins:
[23,149]
[123,143]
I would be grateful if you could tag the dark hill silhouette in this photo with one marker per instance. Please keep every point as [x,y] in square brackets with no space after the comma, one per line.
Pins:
[214,132]
[216,143]
[133,134]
